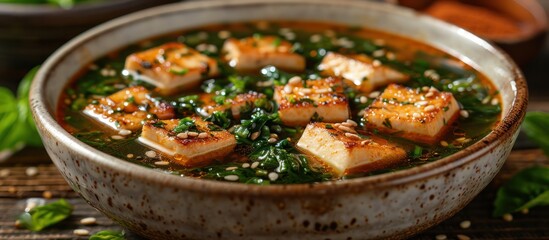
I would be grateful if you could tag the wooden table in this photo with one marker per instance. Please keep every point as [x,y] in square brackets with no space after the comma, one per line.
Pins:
[18,187]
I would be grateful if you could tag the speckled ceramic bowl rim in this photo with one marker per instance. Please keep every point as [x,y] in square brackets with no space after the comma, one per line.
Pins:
[504,130]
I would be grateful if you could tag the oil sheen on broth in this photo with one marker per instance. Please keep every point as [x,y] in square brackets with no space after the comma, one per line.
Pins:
[279,103]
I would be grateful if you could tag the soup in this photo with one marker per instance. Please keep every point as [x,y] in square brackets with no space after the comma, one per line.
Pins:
[279,103]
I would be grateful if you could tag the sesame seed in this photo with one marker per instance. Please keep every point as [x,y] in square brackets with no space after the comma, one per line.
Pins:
[231,178]
[203,135]
[31,171]
[4,173]
[465,224]
[47,194]
[151,154]
[273,176]
[525,211]
[363,99]
[272,140]
[464,113]
[422,103]
[289,35]
[391,56]
[305,90]
[361,113]
[379,53]
[507,217]
[81,232]
[429,94]
[273,135]
[444,143]
[495,101]
[117,137]
[374,94]
[376,63]
[323,90]
[211,48]
[463,237]
[254,135]
[161,163]
[461,139]
[129,155]
[425,89]
[429,108]
[416,115]
[192,134]
[486,100]
[223,34]
[182,135]
[352,136]
[315,38]
[288,89]
[351,122]
[295,80]
[245,165]
[231,168]
[254,165]
[365,142]
[34,202]
[440,237]
[124,132]
[88,221]
[345,128]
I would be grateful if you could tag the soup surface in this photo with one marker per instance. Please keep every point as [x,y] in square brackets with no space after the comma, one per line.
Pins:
[279,103]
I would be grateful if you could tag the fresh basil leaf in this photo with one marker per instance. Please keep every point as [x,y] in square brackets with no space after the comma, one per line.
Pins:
[528,188]
[41,217]
[536,126]
[108,235]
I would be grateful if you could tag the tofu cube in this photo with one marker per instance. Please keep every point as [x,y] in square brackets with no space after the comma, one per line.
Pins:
[299,102]
[236,104]
[254,53]
[360,71]
[128,109]
[415,114]
[198,145]
[171,67]
[345,151]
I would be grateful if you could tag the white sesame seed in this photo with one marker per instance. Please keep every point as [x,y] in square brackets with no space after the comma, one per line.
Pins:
[211,48]
[254,165]
[272,140]
[305,90]
[363,99]
[351,122]
[315,38]
[288,89]
[443,143]
[525,211]
[182,135]
[379,53]
[201,47]
[345,128]
[495,101]
[129,155]
[429,94]
[360,113]
[289,35]
[81,232]
[4,173]
[486,100]
[391,56]
[323,90]
[464,113]
[192,134]
[507,217]
[34,202]
[88,221]
[223,34]
[461,139]
[465,224]
[376,63]
[117,137]
[245,165]
[273,135]
[273,176]
[161,163]
[124,132]
[203,135]
[374,94]
[379,42]
[31,171]
[231,178]
[150,154]
[231,168]
[104,72]
[365,142]
[433,89]
[440,237]
[421,103]
[416,115]
[463,237]
[429,108]
[295,80]
[352,136]
[254,135]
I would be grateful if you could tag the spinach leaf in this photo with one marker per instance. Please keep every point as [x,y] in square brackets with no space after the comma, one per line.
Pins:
[108,235]
[41,217]
[527,189]
[536,127]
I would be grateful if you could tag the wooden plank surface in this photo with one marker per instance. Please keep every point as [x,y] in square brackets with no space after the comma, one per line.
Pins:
[16,188]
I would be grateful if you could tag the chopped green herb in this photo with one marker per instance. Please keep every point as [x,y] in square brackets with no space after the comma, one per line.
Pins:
[185,124]
[108,235]
[178,71]
[387,123]
[41,217]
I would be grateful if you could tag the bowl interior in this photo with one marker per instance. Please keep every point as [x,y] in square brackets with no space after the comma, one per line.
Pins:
[71,58]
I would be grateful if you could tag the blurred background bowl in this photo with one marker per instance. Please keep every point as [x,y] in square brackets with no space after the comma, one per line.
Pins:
[29,33]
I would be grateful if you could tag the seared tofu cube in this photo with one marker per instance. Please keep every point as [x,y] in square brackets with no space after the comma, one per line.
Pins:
[299,102]
[254,53]
[128,109]
[360,71]
[415,114]
[192,141]
[237,104]
[171,67]
[344,151]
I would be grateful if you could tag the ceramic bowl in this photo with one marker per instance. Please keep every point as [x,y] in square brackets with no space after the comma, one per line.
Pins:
[162,206]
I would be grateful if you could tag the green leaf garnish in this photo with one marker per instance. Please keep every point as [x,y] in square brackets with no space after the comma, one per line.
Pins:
[41,217]
[178,71]
[108,235]
[536,127]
